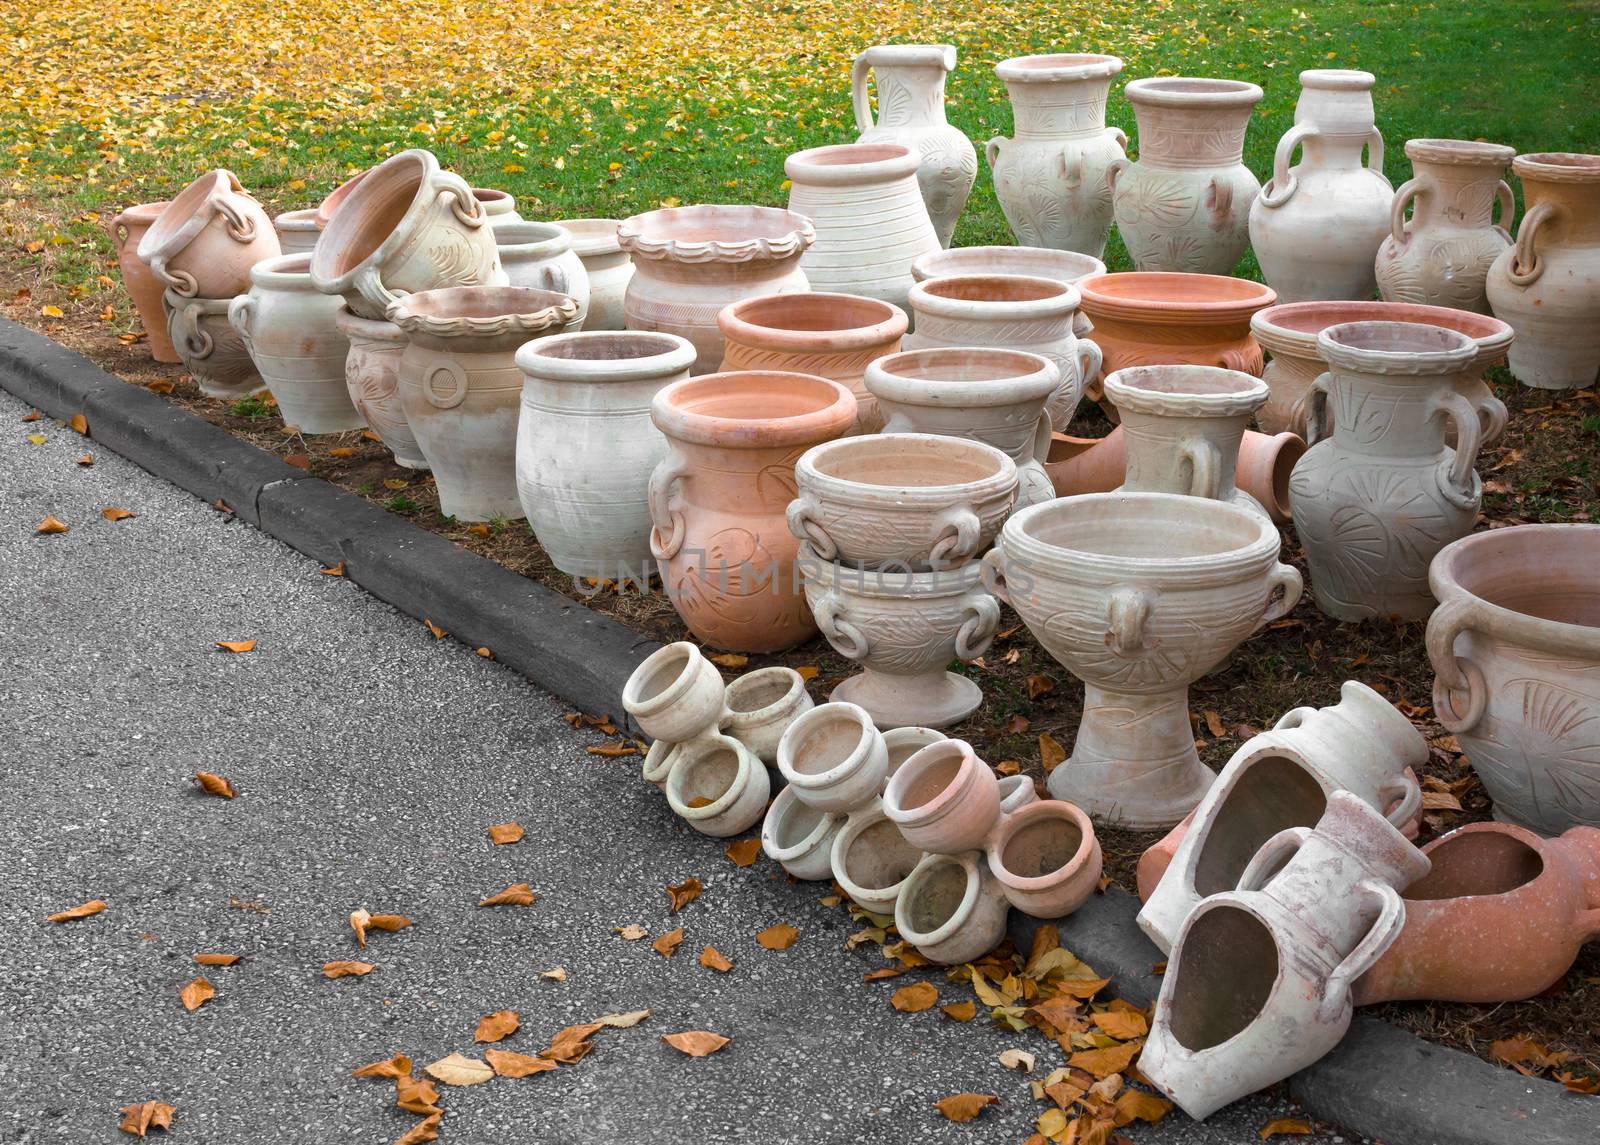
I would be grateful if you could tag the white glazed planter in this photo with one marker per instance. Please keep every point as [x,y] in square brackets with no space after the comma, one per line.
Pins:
[1050,177]
[1259,981]
[718,786]
[951,908]
[372,377]
[1283,778]
[675,695]
[1316,226]
[1008,312]
[297,231]
[760,706]
[1182,426]
[1185,205]
[209,347]
[800,837]
[608,266]
[871,222]
[586,446]
[291,330]
[994,396]
[540,255]
[205,240]
[834,757]
[1029,261]
[910,82]
[1139,595]
[499,207]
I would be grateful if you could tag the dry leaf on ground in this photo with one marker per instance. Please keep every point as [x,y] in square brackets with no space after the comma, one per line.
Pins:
[729,660]
[623,1021]
[500,1024]
[882,973]
[744,852]
[683,894]
[343,969]
[217,959]
[50,525]
[508,1064]
[517,894]
[140,1119]
[667,944]
[1105,1062]
[556,974]
[397,1066]
[960,1011]
[361,922]
[197,994]
[1123,1025]
[915,998]
[438,633]
[1051,753]
[696,1043]
[78,424]
[457,1069]
[503,833]
[1137,1105]
[116,513]
[334,570]
[1214,724]
[714,959]
[965,1106]
[632,932]
[236,645]
[572,1044]
[86,460]
[416,1094]
[1287,1126]
[779,937]
[93,906]
[422,1132]
[215,785]
[1017,1059]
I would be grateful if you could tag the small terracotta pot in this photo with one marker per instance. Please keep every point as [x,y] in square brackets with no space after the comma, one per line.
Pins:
[608,266]
[1045,857]
[675,695]
[728,774]
[759,707]
[499,206]
[800,837]
[540,255]
[297,231]
[828,335]
[833,757]
[944,798]
[372,376]
[951,909]
[209,347]
[142,285]
[335,198]
[1030,261]
[207,239]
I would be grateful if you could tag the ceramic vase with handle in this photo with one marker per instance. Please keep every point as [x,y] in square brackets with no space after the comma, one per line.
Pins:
[205,241]
[209,347]
[138,279]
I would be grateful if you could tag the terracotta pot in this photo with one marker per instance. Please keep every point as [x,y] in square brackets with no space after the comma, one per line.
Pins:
[1282,779]
[297,231]
[1139,595]
[1154,318]
[372,377]
[834,757]
[335,198]
[994,396]
[1289,332]
[1548,285]
[951,909]
[759,707]
[586,446]
[726,555]
[944,798]
[291,331]
[675,695]
[209,347]
[1045,857]
[1316,226]
[205,241]
[906,501]
[461,389]
[1516,645]
[910,82]
[142,286]
[1378,499]
[903,628]
[540,255]
[1029,261]
[799,837]
[608,266]
[871,221]
[718,786]
[1259,981]
[1500,917]
[1010,313]
[1182,426]
[1051,178]
[1185,205]
[1441,257]
[690,262]
[407,226]
[903,743]
[828,335]
[500,207]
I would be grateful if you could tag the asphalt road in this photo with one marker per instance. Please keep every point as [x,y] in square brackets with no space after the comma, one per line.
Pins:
[369,761]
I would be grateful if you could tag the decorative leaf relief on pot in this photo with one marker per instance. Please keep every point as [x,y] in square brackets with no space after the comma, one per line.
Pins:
[776,485]
[851,364]
[1545,766]
[1248,359]
[1142,197]
[675,315]
[455,261]
[1364,417]
[737,579]
[904,641]
[1223,146]
[1176,252]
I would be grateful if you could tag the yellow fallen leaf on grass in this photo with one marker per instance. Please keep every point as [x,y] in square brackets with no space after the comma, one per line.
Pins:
[51,312]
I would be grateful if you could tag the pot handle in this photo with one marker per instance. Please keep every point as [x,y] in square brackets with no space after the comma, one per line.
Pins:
[1408,792]
[1375,153]
[1120,136]
[1072,166]
[1271,856]
[1090,359]
[1492,418]
[1205,469]
[453,375]
[1282,186]
[1219,200]
[1385,929]
[847,640]
[370,287]
[179,281]
[464,204]
[1461,485]
[1127,613]
[1293,718]
[991,149]
[555,277]
[196,338]
[858,92]
[803,523]
[1526,266]
[241,316]
[1452,673]
[1508,207]
[994,574]
[977,630]
[958,530]
[120,231]
[1409,190]
[1317,407]
[241,227]
[1288,578]
[671,469]
[1114,171]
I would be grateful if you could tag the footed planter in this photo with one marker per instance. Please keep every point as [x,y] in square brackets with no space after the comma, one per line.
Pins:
[609,269]
[209,347]
[205,241]
[139,280]
[372,377]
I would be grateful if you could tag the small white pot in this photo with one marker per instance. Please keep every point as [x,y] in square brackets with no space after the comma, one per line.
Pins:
[540,255]
[675,695]
[1066,266]
[499,207]
[724,771]
[372,377]
[800,837]
[951,908]
[608,266]
[759,707]
[870,859]
[209,347]
[903,743]
[297,231]
[833,758]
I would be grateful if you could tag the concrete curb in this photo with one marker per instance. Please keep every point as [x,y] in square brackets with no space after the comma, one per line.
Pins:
[567,649]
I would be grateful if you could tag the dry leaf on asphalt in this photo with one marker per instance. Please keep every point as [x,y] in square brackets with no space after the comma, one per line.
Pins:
[236,645]
[1286,1126]
[51,525]
[344,969]
[140,1119]
[633,932]
[216,959]
[1017,1059]
[557,974]
[1105,1062]
[86,460]
[695,1043]
[485,652]
[667,944]
[416,1095]
[517,894]
[503,833]
[38,438]
[966,1106]
[744,852]
[1051,753]
[1122,1024]
[623,1021]
[361,922]
[197,994]
[33,415]
[612,750]
[93,906]
[713,959]
[422,1132]
[458,1069]
[915,998]
[498,1025]
[215,785]
[960,1011]
[397,1066]
[335,570]
[881,974]
[79,424]
[1137,1105]
[438,633]
[572,1044]
[508,1064]
[683,894]
[115,513]
[779,937]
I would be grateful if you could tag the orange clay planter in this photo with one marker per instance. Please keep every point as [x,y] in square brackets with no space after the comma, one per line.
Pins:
[139,280]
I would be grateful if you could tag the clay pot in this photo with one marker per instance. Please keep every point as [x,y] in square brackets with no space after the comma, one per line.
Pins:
[944,798]
[718,500]
[500,207]
[142,286]
[1185,205]
[675,694]
[1259,981]
[608,266]
[870,859]
[1289,332]
[335,198]
[540,255]
[994,396]
[799,837]
[1442,256]
[1378,499]
[1139,595]
[1009,313]
[910,82]
[1182,426]
[1316,226]
[205,241]
[1051,178]
[903,628]
[718,786]
[1282,779]
[903,500]
[407,226]
[1548,285]
[1045,857]
[759,706]
[690,262]
[828,335]
[1029,261]
[209,347]
[460,386]
[1500,917]
[297,231]
[1516,646]
[951,908]
[871,221]
[372,377]
[1150,318]
[586,446]
[834,757]
[903,743]
[291,331]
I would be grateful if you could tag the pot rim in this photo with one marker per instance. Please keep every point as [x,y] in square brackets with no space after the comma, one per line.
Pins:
[960,916]
[188,213]
[1532,840]
[140,214]
[331,201]
[514,238]
[806,428]
[1274,332]
[1030,377]
[487,195]
[810,474]
[1193,92]
[1053,67]
[752,717]
[1020,818]
[1507,625]
[1558,167]
[855,760]
[1337,79]
[827,824]
[1350,346]
[923,269]
[887,583]
[930,55]
[1236,299]
[542,359]
[521,310]
[851,164]
[686,679]
[1249,394]
[328,270]
[855,825]
[789,234]
[284,272]
[960,788]
[692,752]
[739,322]
[304,219]
[1459,152]
[1056,299]
[592,237]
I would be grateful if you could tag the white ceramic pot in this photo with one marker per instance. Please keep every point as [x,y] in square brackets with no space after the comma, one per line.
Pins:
[994,396]
[209,347]
[1045,856]
[675,695]
[800,837]
[1029,261]
[833,757]
[291,330]
[910,82]
[1283,778]
[205,240]
[690,262]
[1185,205]
[907,500]
[372,377]
[870,859]
[951,908]
[944,799]
[540,255]
[297,231]
[1317,225]
[1182,426]
[608,266]
[586,446]
[1139,595]
[871,222]
[1050,177]
[1441,257]
[1010,313]
[903,743]
[460,386]
[718,786]
[759,707]
[499,207]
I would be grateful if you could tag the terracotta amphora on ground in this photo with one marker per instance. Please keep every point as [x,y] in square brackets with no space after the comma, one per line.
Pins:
[208,237]
[141,283]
